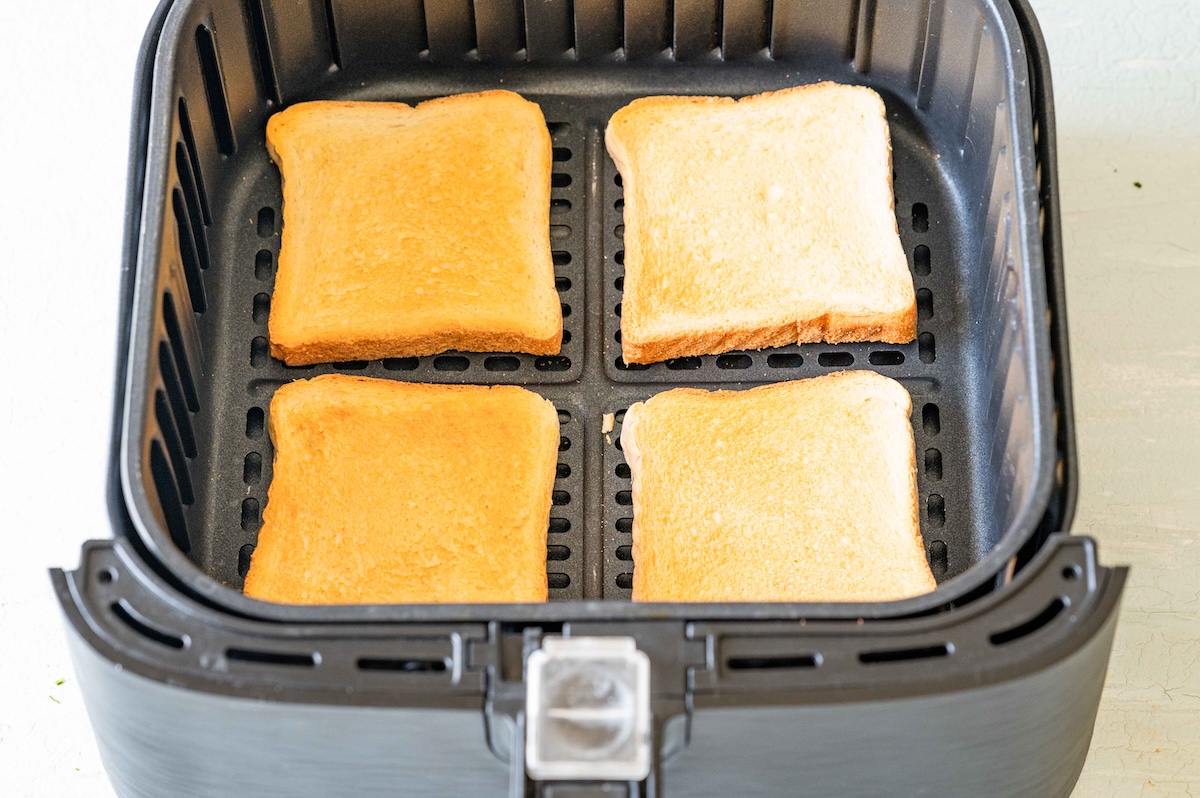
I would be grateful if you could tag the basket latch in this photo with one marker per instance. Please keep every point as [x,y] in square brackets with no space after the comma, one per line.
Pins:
[587,710]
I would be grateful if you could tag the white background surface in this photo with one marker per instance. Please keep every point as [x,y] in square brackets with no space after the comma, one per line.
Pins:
[1127,84]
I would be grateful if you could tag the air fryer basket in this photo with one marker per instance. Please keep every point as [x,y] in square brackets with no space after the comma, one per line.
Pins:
[194,690]
[196,464]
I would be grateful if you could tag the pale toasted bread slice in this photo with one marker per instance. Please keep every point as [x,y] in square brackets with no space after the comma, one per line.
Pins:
[410,231]
[797,491]
[392,492]
[761,222]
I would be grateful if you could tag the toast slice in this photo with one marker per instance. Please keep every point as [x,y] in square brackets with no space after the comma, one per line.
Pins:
[392,492]
[759,222]
[797,491]
[408,231]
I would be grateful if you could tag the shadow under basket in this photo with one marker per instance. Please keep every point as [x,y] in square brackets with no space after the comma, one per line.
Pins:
[321,700]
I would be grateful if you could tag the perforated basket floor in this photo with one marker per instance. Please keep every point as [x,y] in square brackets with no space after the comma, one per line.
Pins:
[592,510]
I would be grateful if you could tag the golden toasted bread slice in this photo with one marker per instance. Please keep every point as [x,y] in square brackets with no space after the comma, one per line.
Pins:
[408,231]
[391,492]
[798,491]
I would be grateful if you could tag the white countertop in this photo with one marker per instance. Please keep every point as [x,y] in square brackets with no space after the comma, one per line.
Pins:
[1127,86]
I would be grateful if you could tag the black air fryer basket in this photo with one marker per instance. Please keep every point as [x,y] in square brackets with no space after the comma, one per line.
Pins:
[988,686]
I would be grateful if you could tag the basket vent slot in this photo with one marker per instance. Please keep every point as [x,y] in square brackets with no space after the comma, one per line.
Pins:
[262,308]
[931,419]
[191,196]
[168,497]
[245,553]
[252,468]
[925,60]
[904,654]
[251,515]
[926,348]
[557,581]
[734,362]
[175,336]
[861,34]
[260,352]
[774,663]
[933,464]
[266,222]
[545,22]
[746,27]
[696,29]
[936,510]
[129,617]
[1032,625]
[499,28]
[166,425]
[264,265]
[886,357]
[920,217]
[262,48]
[188,254]
[828,29]
[256,421]
[502,363]
[450,29]
[684,363]
[189,141]
[401,363]
[921,261]
[306,660]
[924,304]
[331,27]
[214,89]
[784,361]
[183,421]
[835,359]
[403,665]
[939,558]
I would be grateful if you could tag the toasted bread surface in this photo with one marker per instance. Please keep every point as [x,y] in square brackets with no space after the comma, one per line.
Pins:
[759,222]
[408,231]
[391,492]
[797,491]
